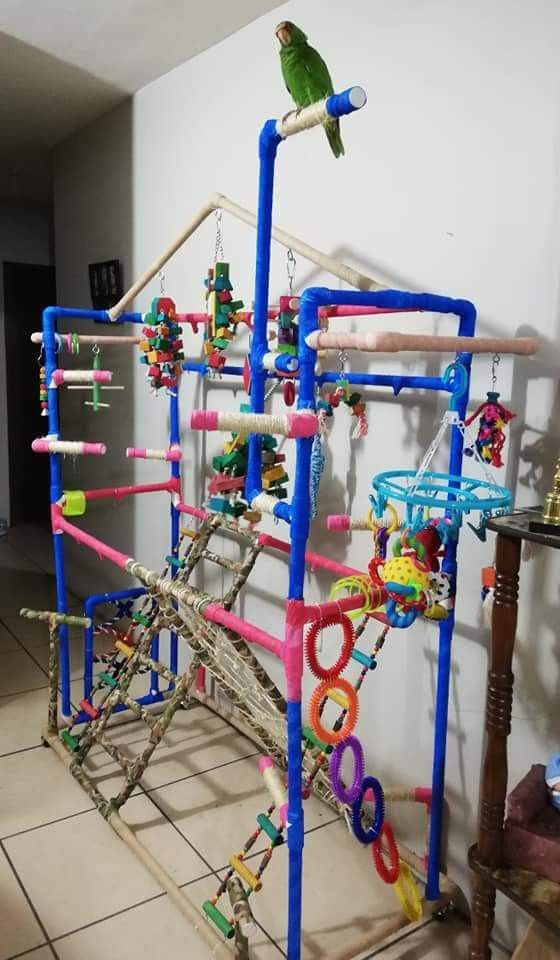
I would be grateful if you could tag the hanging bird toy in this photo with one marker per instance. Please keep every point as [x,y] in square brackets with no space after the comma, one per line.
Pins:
[162,347]
[494,417]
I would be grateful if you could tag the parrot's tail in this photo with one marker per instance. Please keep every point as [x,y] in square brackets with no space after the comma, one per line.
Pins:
[332,130]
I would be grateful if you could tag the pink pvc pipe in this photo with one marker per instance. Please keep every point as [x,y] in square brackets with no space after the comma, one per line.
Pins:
[192,511]
[216,614]
[104,493]
[322,611]
[143,453]
[315,560]
[354,311]
[59,523]
[97,376]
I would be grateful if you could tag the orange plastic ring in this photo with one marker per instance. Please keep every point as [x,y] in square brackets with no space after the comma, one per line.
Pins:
[350,720]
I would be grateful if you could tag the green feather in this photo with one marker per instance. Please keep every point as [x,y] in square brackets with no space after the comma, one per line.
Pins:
[307,79]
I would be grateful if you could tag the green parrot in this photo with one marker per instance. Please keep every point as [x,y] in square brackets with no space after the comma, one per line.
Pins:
[306,76]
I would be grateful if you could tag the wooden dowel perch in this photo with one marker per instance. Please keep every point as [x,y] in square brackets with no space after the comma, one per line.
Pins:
[390,342]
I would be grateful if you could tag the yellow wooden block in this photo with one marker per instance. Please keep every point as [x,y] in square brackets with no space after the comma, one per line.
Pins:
[338,698]
[124,648]
[245,873]
[144,345]
[152,356]
[208,348]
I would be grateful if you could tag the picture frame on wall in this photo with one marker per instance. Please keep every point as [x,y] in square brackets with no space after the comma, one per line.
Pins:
[105,283]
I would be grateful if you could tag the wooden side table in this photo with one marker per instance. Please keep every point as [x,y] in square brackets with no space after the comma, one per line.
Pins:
[540,898]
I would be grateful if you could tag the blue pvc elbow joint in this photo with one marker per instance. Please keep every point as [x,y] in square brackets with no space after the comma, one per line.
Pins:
[285,363]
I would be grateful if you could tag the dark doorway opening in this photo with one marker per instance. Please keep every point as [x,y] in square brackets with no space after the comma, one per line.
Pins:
[28,288]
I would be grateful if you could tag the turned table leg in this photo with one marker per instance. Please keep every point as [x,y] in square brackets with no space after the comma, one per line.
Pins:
[498,725]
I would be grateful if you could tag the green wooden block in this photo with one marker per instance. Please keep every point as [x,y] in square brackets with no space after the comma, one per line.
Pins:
[314,740]
[287,348]
[220,343]
[71,742]
[141,618]
[268,827]
[108,680]
[217,918]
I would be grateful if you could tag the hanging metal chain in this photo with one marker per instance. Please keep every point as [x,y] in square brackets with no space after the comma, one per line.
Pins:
[219,247]
[343,360]
[291,264]
[95,349]
[161,278]
[495,364]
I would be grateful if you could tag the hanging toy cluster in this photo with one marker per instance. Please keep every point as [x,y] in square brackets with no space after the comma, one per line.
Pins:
[343,393]
[222,312]
[226,487]
[162,348]
[43,392]
[490,438]
[411,577]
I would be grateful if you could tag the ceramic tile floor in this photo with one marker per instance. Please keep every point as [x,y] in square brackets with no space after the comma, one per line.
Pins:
[71,890]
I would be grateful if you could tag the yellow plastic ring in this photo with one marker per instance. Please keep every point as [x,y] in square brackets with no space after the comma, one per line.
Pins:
[353,585]
[407,893]
[375,523]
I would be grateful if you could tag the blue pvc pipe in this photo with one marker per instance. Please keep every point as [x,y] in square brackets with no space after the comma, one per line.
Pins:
[174,438]
[268,145]
[446,628]
[50,316]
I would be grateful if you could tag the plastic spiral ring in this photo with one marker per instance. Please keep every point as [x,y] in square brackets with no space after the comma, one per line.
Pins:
[333,737]
[368,836]
[407,893]
[329,673]
[358,584]
[389,873]
[342,793]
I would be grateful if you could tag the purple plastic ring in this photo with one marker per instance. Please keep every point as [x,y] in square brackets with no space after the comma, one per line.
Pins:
[342,793]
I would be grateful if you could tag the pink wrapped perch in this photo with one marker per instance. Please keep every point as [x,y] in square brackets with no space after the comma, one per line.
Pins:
[300,424]
[343,522]
[80,376]
[73,447]
[145,453]
[392,342]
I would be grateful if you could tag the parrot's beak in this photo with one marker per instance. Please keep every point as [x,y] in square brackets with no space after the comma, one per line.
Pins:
[283,34]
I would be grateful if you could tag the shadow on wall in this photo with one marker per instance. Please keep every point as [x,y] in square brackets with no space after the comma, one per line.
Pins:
[80,187]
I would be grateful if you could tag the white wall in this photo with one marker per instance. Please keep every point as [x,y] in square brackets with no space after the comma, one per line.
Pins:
[25,237]
[449,184]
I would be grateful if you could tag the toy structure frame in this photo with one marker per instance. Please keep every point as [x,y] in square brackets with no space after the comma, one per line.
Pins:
[186,609]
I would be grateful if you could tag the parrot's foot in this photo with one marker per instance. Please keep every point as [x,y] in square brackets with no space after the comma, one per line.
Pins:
[291,113]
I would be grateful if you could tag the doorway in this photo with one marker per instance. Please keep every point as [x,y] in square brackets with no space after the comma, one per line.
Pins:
[28,289]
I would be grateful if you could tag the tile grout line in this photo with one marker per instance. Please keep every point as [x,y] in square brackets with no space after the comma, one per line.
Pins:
[24,648]
[29,900]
